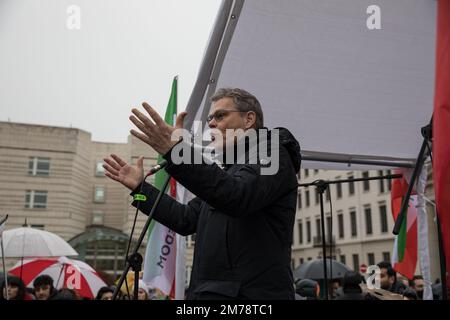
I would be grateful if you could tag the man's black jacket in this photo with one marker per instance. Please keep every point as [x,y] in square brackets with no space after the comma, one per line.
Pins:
[243,223]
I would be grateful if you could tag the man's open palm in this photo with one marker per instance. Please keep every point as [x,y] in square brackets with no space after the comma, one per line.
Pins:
[128,175]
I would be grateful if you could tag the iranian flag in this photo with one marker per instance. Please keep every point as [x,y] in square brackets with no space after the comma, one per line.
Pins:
[164,256]
[404,258]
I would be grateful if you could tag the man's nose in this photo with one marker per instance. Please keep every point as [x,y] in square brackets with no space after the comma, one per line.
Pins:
[212,123]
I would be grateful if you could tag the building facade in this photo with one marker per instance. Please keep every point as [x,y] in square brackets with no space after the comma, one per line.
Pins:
[52,178]
[359,230]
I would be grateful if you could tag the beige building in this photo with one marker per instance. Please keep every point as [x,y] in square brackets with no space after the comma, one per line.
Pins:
[52,178]
[362,221]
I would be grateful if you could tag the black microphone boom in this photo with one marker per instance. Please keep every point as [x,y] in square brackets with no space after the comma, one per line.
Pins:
[156,168]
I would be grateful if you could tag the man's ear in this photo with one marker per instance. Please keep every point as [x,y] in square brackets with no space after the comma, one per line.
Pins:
[250,120]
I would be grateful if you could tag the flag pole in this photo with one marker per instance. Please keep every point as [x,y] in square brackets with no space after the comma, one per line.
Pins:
[2,223]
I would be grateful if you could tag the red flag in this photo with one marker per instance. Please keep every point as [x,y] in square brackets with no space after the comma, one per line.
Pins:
[441,127]
[405,248]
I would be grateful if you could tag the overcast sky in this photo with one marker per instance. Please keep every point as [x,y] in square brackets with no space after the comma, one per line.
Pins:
[126,52]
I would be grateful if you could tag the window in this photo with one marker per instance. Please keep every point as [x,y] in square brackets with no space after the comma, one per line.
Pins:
[35,199]
[99,170]
[355,258]
[99,194]
[307,198]
[341,225]
[353,223]
[389,180]
[309,258]
[301,260]
[299,200]
[318,228]
[342,258]
[97,217]
[308,231]
[316,191]
[306,173]
[371,259]
[300,232]
[329,231]
[368,215]
[366,183]
[292,264]
[39,166]
[381,182]
[387,256]
[316,171]
[338,189]
[351,186]
[383,218]
[38,226]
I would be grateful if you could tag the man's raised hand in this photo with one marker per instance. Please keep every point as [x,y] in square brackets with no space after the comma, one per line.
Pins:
[128,175]
[154,130]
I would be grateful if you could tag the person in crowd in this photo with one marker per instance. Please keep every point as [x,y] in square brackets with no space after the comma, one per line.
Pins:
[43,287]
[307,289]
[66,294]
[409,294]
[388,278]
[15,291]
[104,293]
[351,287]
[335,288]
[417,284]
[142,292]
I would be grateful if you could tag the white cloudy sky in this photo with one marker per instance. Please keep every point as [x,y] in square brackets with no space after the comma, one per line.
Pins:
[126,52]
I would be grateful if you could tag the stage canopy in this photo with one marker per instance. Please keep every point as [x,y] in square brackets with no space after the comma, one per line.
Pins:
[348,93]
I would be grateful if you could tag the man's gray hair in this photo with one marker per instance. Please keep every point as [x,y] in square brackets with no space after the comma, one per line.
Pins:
[244,102]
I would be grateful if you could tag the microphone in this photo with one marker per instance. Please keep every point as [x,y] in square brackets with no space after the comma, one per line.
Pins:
[156,168]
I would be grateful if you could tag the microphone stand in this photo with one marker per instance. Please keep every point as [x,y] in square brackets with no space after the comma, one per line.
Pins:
[134,260]
[322,186]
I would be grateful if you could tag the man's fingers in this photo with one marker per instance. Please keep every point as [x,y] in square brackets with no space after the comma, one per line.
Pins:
[153,114]
[111,170]
[139,124]
[140,136]
[180,119]
[140,162]
[142,117]
[118,160]
[109,175]
[111,163]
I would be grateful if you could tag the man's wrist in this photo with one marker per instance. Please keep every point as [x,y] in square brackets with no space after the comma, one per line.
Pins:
[168,155]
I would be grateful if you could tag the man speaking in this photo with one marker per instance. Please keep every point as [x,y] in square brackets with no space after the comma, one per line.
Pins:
[243,219]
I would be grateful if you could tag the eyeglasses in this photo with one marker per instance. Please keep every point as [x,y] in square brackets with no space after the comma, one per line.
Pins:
[220,115]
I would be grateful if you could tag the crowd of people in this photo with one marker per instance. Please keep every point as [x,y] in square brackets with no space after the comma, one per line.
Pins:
[350,287]
[44,289]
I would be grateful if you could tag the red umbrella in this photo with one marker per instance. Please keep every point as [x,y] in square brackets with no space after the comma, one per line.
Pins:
[66,273]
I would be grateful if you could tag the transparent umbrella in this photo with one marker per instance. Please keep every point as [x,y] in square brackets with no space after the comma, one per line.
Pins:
[28,242]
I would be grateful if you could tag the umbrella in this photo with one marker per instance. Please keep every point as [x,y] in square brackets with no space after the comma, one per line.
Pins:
[65,272]
[314,270]
[29,242]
